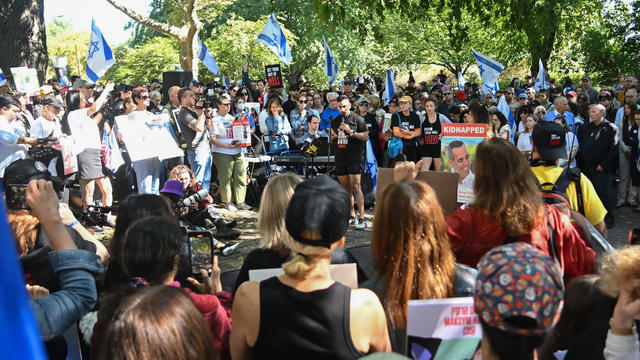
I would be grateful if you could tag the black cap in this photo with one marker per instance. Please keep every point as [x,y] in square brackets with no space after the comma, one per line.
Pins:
[24,170]
[549,140]
[83,83]
[53,101]
[318,213]
[348,81]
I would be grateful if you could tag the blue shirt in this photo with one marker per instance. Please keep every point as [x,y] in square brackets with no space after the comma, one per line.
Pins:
[327,115]
[568,116]
[278,125]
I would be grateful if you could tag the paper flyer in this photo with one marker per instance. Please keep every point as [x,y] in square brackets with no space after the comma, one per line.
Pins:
[459,142]
[443,329]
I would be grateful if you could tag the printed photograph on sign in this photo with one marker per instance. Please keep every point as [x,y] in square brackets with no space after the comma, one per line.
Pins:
[459,142]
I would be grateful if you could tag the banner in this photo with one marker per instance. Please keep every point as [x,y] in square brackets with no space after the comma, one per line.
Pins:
[146,136]
[26,80]
[443,329]
[62,71]
[459,142]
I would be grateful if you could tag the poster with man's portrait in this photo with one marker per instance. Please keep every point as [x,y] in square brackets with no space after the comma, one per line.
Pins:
[459,142]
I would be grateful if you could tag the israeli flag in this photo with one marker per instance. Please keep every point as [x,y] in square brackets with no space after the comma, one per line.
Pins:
[100,57]
[273,37]
[504,108]
[372,165]
[225,82]
[3,79]
[541,79]
[461,80]
[207,59]
[489,71]
[389,87]
[332,67]
[20,336]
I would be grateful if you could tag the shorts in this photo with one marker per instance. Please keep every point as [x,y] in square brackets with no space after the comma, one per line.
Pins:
[430,150]
[90,164]
[349,168]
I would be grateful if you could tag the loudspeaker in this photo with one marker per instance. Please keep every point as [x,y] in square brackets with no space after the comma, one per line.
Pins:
[174,78]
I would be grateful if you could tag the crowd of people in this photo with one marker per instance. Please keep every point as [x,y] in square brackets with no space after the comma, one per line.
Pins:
[511,249]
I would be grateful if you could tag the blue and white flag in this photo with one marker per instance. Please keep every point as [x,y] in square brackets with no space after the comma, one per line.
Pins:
[504,108]
[3,79]
[489,71]
[20,336]
[225,82]
[207,59]
[461,80]
[372,165]
[332,67]
[389,87]
[273,37]
[100,57]
[541,79]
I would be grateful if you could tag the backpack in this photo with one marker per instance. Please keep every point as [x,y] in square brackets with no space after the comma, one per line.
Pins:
[554,193]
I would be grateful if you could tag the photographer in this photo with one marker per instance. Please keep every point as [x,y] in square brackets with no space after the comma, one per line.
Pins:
[48,125]
[192,122]
[12,144]
[201,213]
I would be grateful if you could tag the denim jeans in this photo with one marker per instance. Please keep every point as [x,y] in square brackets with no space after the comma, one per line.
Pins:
[148,175]
[200,163]
[77,294]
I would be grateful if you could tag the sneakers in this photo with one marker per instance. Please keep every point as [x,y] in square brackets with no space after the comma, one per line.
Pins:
[231,207]
[362,224]
[228,250]
[352,220]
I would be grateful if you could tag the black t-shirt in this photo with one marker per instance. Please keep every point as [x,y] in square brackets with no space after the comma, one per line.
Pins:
[36,266]
[350,149]
[431,131]
[186,116]
[410,122]
[288,106]
[374,130]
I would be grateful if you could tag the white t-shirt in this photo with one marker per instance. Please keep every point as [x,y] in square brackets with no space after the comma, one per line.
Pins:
[43,128]
[222,129]
[84,130]
[10,150]
[524,142]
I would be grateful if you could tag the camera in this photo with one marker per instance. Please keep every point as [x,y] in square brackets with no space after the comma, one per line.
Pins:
[96,215]
[195,198]
[207,99]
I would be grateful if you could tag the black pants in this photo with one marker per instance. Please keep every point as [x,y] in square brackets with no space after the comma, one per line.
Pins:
[198,217]
[601,181]
[411,152]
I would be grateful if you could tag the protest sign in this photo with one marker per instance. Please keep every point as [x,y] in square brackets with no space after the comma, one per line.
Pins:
[444,184]
[459,142]
[342,273]
[274,75]
[146,136]
[253,105]
[62,71]
[26,80]
[443,329]
[242,131]
[69,158]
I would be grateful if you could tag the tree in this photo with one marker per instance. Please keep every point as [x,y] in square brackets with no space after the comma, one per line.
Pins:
[23,41]
[62,40]
[144,62]
[183,27]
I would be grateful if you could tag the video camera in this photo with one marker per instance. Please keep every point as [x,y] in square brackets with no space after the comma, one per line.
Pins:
[43,150]
[96,215]
[207,99]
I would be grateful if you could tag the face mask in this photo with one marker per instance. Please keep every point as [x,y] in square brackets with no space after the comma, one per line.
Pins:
[241,106]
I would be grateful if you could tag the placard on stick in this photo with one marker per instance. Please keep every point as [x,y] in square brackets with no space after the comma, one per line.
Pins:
[274,75]
[444,184]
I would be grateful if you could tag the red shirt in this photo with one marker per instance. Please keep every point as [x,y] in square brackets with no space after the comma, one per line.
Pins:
[472,233]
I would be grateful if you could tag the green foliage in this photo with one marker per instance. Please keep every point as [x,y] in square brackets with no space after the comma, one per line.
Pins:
[142,63]
[61,41]
[160,11]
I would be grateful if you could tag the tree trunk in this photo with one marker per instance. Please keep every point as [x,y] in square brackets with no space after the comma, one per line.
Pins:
[24,40]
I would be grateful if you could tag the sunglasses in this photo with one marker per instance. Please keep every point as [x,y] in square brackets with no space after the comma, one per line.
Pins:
[364,103]
[445,94]
[225,104]
[145,97]
[244,93]
[302,101]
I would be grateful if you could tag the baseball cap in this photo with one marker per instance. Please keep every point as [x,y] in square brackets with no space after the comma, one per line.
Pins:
[522,96]
[24,170]
[461,95]
[518,280]
[550,140]
[571,93]
[46,89]
[606,94]
[173,187]
[586,78]
[53,101]
[347,81]
[318,212]
[80,83]
[509,89]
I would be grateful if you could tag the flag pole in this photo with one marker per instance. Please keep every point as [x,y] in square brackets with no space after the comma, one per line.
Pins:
[78,60]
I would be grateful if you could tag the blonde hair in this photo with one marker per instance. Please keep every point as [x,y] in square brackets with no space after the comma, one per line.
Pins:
[24,227]
[621,268]
[180,169]
[306,258]
[273,207]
